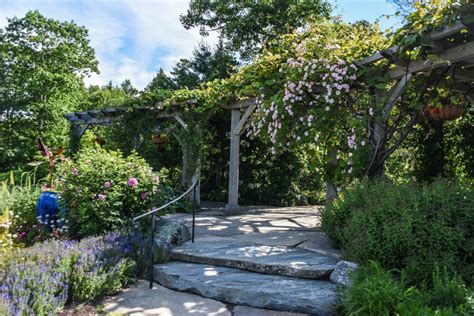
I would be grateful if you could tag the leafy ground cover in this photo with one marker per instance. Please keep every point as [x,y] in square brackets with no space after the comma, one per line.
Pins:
[411,227]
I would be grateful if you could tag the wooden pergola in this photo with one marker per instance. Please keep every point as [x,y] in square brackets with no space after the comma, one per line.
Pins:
[81,121]
[452,51]
[452,48]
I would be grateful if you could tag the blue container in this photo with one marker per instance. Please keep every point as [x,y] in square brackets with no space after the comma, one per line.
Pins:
[47,208]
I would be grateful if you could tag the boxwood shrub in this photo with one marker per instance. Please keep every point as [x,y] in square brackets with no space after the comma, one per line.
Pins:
[406,226]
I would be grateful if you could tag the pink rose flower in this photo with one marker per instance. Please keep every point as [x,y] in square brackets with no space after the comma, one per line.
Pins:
[133,182]
[143,195]
[75,171]
[101,197]
[107,184]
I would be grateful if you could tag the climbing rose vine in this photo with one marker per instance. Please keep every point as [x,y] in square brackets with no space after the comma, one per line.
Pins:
[317,103]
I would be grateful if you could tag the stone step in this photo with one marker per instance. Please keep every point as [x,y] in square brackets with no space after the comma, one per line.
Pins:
[242,287]
[278,260]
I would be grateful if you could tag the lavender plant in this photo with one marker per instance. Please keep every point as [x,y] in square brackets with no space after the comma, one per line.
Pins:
[42,279]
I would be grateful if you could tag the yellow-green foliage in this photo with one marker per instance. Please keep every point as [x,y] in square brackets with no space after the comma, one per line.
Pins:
[5,201]
[8,188]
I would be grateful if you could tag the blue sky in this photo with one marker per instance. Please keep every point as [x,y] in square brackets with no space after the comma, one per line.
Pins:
[134,38]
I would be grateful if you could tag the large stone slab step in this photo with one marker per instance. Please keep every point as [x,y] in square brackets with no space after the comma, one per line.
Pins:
[242,287]
[278,260]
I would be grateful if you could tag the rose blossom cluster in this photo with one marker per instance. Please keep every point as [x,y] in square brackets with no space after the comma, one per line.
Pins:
[321,85]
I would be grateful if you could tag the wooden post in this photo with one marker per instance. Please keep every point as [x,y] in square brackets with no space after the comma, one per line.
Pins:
[331,190]
[75,136]
[191,161]
[378,134]
[233,201]
[185,176]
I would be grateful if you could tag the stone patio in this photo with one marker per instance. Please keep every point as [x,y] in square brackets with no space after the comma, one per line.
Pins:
[234,260]
[285,226]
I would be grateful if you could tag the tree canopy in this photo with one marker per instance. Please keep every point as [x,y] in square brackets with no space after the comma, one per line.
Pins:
[246,25]
[206,64]
[43,62]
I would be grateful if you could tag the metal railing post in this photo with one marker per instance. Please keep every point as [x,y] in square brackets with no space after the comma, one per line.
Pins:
[152,241]
[153,212]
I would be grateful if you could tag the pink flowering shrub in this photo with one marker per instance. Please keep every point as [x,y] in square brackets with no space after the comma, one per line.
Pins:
[309,96]
[102,190]
[132,182]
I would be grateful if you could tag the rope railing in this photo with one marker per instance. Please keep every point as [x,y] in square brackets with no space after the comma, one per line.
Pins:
[153,212]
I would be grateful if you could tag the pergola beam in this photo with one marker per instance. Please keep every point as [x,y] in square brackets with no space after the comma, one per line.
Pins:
[434,36]
[80,121]
[241,104]
[239,129]
[180,121]
[450,56]
[394,95]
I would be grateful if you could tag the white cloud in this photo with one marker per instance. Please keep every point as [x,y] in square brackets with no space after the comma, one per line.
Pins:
[132,39]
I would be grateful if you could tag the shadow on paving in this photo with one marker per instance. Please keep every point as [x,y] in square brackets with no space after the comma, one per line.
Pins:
[271,226]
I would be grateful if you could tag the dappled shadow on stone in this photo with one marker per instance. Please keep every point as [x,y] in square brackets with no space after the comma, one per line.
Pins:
[140,300]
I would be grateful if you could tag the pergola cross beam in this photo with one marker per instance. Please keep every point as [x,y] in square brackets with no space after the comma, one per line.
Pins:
[449,57]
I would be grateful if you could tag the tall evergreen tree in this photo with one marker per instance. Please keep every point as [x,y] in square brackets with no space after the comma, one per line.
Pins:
[161,81]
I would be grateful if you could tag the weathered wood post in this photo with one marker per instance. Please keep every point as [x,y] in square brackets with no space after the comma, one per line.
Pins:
[237,128]
[331,189]
[234,161]
[191,166]
[75,136]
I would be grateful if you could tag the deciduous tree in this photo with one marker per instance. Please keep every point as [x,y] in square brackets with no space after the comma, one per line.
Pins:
[246,25]
[43,62]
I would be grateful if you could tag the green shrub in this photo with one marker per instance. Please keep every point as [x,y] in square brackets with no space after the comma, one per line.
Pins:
[410,227]
[24,225]
[448,291]
[102,190]
[375,291]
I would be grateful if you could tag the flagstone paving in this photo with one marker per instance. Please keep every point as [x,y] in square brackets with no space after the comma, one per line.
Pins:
[234,253]
[262,262]
[242,287]
[140,300]
[285,226]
